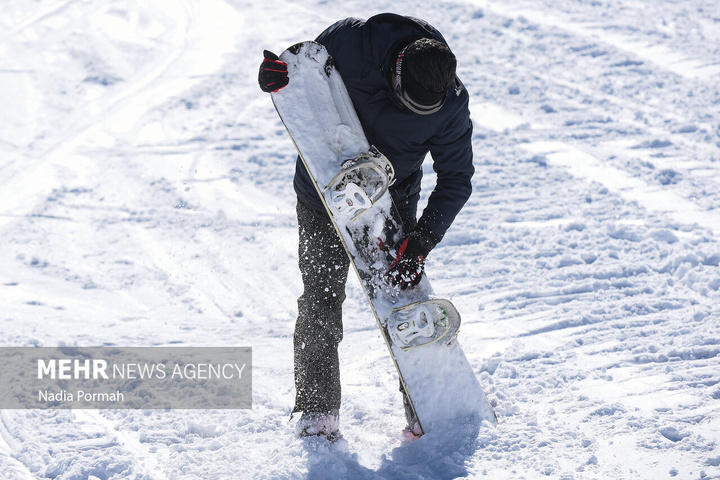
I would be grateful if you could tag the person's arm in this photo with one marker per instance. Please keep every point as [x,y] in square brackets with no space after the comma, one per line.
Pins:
[453,163]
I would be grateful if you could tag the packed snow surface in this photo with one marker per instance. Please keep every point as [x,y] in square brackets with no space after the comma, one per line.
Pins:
[146,200]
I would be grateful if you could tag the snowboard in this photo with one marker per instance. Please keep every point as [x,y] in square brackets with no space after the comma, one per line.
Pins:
[353,178]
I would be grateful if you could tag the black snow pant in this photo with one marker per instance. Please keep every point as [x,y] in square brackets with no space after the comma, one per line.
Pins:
[324,266]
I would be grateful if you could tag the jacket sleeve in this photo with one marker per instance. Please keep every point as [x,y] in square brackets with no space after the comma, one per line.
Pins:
[453,163]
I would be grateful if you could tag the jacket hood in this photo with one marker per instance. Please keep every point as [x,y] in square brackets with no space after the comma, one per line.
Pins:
[396,31]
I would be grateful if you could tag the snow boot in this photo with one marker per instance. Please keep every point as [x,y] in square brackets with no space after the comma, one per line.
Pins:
[411,433]
[319,424]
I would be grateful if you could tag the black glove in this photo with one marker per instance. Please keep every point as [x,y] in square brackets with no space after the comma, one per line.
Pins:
[273,73]
[408,267]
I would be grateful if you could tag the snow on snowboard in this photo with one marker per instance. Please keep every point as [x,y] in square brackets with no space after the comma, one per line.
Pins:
[353,179]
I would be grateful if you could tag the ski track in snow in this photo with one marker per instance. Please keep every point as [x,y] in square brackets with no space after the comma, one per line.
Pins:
[146,199]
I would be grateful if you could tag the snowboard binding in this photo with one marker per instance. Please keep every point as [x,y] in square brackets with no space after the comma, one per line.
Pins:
[362,181]
[423,323]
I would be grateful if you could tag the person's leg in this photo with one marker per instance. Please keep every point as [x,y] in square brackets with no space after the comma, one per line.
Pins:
[324,267]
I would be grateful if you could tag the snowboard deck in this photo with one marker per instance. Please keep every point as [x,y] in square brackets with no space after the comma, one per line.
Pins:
[319,116]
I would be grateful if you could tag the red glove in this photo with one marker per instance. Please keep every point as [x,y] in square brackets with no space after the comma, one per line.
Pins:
[408,267]
[273,73]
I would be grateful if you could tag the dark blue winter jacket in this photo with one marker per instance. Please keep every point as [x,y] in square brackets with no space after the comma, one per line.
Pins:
[364,52]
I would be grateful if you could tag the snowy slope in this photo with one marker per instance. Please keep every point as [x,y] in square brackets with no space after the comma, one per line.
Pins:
[146,199]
